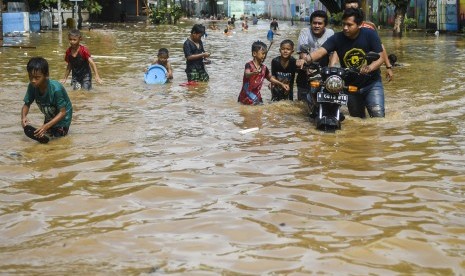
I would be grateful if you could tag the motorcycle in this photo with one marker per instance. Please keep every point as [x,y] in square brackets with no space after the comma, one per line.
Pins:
[328,92]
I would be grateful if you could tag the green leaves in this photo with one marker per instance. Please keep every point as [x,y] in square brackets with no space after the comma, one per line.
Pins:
[166,13]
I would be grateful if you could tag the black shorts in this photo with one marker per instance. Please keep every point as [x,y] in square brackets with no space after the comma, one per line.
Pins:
[58,131]
[197,75]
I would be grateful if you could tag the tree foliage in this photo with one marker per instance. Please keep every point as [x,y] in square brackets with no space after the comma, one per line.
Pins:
[166,13]
[398,4]
[93,6]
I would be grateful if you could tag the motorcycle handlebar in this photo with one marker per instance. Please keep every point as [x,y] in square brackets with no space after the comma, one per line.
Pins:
[313,65]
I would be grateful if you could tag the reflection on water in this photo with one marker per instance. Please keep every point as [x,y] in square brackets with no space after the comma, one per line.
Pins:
[158,179]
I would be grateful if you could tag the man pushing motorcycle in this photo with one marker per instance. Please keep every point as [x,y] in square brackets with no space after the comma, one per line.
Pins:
[351,45]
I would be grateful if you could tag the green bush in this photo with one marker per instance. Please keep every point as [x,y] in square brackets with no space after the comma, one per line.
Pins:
[410,23]
[166,15]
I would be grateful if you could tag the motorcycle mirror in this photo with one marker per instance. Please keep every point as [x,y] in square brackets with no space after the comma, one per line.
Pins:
[372,56]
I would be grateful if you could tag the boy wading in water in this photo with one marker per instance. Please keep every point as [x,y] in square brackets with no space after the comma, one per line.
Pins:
[283,68]
[195,55]
[52,100]
[79,62]
[162,59]
[254,74]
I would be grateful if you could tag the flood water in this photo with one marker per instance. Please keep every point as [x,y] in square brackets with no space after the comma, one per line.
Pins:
[157,179]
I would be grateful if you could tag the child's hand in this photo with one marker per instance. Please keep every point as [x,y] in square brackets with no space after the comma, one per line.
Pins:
[206,54]
[169,76]
[40,132]
[24,122]
[285,87]
[63,81]
[99,80]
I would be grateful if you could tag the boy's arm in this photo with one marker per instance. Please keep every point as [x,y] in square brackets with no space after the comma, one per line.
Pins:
[24,112]
[273,80]
[43,129]
[188,52]
[170,70]
[94,67]
[67,71]
[198,56]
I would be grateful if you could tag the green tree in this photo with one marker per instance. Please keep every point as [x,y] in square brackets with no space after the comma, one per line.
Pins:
[93,6]
[166,13]
[400,11]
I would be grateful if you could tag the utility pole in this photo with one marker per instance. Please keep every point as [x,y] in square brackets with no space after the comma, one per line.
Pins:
[1,21]
[60,28]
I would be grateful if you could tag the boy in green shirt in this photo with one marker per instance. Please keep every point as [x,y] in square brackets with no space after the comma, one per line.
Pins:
[52,100]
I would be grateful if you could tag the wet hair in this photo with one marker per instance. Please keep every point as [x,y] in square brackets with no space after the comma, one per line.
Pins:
[258,45]
[74,32]
[163,51]
[356,13]
[287,41]
[392,59]
[319,13]
[198,29]
[226,30]
[350,2]
[37,64]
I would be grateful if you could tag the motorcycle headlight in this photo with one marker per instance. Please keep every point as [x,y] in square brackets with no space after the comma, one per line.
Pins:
[334,84]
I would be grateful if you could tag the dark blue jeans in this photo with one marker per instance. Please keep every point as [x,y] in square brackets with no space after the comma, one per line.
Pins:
[371,98]
[81,82]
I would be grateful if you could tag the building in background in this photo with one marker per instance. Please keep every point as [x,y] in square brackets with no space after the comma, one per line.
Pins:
[442,15]
[282,9]
[15,18]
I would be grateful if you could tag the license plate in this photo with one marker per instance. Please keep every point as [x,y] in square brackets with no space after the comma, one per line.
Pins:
[332,98]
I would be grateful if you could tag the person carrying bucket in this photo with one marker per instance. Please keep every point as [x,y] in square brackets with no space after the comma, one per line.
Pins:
[162,59]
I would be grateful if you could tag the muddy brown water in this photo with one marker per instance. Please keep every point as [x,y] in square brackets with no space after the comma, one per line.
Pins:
[157,179]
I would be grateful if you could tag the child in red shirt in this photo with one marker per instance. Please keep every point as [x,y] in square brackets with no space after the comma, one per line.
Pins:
[255,73]
[79,62]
